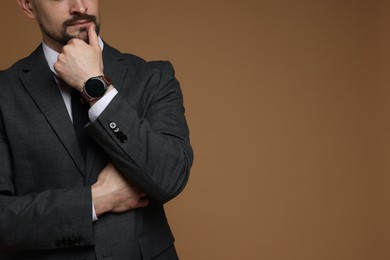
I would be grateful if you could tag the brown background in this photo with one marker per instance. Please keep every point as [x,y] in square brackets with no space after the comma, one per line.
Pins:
[287,102]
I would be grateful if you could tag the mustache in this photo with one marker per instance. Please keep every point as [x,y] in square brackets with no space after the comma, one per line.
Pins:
[79,17]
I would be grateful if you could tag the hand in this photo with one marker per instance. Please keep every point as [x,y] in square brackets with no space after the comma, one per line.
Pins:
[80,61]
[112,193]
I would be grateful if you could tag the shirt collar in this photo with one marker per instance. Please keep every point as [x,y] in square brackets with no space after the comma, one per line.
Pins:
[51,55]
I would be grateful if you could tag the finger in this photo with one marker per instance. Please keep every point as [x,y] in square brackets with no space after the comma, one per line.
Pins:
[92,36]
[143,202]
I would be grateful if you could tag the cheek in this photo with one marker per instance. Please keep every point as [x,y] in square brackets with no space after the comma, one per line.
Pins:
[52,17]
[52,24]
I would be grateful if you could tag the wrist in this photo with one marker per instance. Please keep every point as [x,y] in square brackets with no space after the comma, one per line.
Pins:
[95,88]
[83,79]
[99,199]
[92,102]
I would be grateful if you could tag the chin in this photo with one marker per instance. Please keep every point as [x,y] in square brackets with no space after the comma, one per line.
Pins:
[82,35]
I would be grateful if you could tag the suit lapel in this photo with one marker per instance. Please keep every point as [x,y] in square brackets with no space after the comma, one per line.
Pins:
[114,66]
[39,82]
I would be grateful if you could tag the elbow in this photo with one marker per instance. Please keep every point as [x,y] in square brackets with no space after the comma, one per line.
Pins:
[175,180]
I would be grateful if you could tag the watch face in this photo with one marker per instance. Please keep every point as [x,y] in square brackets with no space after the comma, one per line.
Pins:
[95,87]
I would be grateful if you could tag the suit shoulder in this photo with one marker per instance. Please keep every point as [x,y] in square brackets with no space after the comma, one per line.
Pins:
[14,69]
[140,62]
[133,60]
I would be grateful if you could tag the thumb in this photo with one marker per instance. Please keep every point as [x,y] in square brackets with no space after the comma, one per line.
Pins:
[92,36]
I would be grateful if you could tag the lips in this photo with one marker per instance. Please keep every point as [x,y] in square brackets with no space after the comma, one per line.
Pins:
[80,22]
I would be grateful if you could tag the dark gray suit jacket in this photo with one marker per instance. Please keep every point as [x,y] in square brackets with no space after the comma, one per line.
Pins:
[45,195]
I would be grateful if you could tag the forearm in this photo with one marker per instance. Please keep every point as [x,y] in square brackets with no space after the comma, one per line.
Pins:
[149,145]
[42,219]
[156,162]
[46,220]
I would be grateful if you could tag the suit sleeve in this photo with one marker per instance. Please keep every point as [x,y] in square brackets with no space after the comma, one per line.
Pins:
[150,146]
[47,220]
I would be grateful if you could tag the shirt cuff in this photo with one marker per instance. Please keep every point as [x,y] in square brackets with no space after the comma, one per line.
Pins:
[95,110]
[94,216]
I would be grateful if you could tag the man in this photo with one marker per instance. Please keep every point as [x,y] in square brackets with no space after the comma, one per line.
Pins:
[95,191]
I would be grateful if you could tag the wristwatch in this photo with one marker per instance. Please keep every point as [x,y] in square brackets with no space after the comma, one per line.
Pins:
[95,87]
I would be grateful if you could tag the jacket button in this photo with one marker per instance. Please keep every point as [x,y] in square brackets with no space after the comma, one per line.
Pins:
[76,241]
[122,137]
[112,125]
[67,242]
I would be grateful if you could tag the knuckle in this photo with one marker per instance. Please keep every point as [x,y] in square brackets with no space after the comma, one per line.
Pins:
[57,67]
[65,48]
[71,41]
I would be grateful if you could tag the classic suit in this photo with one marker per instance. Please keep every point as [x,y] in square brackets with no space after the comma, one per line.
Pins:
[45,195]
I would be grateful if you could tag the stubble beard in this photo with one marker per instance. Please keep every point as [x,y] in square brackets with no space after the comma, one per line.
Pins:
[63,37]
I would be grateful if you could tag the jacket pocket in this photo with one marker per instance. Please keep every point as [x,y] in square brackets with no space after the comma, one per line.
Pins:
[154,243]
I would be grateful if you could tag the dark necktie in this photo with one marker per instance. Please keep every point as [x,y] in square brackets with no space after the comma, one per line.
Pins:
[80,119]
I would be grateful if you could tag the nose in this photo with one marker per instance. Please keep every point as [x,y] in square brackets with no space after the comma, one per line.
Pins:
[78,7]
